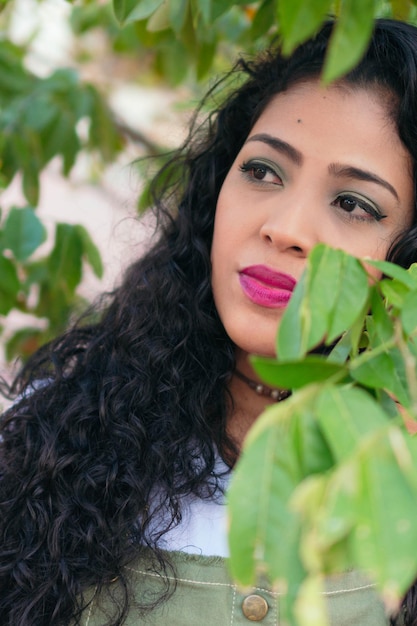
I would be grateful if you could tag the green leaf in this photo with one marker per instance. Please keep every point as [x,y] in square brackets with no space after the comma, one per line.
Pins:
[219,7]
[280,451]
[290,341]
[23,343]
[264,19]
[65,261]
[36,272]
[191,37]
[342,349]
[201,9]
[409,313]
[299,20]
[14,78]
[41,124]
[62,80]
[407,277]
[205,58]
[351,297]
[311,607]
[127,11]
[394,292]
[324,278]
[26,147]
[178,14]
[174,61]
[379,325]
[86,17]
[9,285]
[337,288]
[263,495]
[385,506]
[40,112]
[60,138]
[328,519]
[90,251]
[401,9]
[329,298]
[103,133]
[55,303]
[296,374]
[72,245]
[160,20]
[361,514]
[30,184]
[23,232]
[380,368]
[346,415]
[350,38]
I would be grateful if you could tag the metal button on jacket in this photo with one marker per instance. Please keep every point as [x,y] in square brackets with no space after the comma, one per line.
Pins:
[254,607]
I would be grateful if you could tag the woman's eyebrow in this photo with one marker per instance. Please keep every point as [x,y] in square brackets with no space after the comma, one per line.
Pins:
[336,169]
[280,146]
[347,171]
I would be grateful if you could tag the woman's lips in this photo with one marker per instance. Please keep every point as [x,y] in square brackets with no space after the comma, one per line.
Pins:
[266,287]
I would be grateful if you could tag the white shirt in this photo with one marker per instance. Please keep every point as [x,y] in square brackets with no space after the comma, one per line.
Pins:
[203,528]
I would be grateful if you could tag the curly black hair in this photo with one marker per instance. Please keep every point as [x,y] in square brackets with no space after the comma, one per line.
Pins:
[114,411]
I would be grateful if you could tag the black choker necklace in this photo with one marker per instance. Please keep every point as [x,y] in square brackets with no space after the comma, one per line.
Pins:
[263,390]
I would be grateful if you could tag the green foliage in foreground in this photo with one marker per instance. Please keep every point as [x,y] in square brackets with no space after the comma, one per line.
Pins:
[330,472]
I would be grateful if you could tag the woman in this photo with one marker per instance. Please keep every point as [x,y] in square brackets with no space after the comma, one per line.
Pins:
[115,459]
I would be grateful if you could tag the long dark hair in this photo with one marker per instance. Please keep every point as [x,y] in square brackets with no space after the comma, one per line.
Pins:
[116,411]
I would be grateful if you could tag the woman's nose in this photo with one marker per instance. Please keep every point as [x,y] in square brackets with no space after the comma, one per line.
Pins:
[293,227]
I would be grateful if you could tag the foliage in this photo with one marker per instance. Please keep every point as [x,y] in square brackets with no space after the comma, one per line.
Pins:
[331,471]
[39,121]
[198,29]
[44,287]
[39,118]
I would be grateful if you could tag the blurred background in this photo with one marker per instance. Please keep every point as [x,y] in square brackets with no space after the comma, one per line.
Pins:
[101,191]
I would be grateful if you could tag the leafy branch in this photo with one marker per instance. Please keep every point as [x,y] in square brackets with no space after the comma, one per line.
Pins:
[335,464]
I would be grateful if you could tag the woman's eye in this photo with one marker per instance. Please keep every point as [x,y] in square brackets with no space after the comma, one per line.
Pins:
[359,208]
[260,172]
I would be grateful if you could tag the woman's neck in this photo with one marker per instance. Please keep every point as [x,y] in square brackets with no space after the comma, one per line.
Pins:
[247,404]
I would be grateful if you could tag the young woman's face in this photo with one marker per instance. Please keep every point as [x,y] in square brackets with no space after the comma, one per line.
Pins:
[320,165]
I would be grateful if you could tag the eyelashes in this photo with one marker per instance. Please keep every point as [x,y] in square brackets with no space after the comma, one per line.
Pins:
[267,175]
[349,202]
[261,172]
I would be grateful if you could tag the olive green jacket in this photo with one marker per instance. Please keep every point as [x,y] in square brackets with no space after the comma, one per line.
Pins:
[205,596]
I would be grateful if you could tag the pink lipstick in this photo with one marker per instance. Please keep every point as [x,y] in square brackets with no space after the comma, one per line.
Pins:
[266,287]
